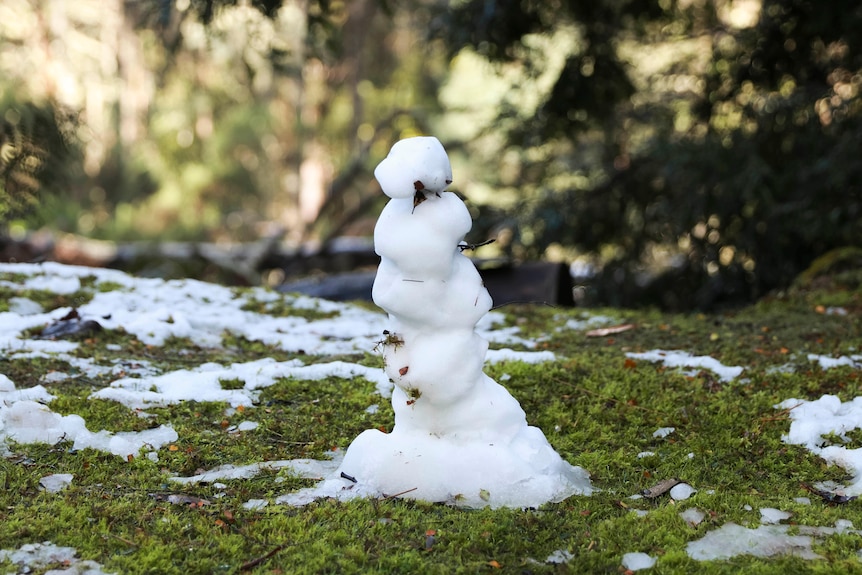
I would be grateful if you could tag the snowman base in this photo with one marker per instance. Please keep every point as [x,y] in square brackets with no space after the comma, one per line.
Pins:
[524,472]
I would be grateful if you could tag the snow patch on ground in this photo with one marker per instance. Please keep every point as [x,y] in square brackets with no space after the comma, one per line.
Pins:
[683,359]
[812,420]
[732,540]
[506,354]
[586,322]
[828,362]
[27,421]
[305,468]
[154,310]
[40,555]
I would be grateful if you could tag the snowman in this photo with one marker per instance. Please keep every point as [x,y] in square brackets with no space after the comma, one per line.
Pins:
[459,436]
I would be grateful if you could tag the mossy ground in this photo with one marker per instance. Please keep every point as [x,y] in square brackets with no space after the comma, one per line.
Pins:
[598,408]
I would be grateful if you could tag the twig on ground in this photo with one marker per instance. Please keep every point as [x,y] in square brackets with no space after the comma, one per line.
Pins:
[258,560]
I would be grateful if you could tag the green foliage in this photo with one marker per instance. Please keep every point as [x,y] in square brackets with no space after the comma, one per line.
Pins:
[742,172]
[37,154]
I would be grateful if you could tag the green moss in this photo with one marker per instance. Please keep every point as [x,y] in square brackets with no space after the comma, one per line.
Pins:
[597,407]
[48,300]
[281,307]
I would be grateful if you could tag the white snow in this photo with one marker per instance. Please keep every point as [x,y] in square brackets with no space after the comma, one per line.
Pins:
[305,468]
[681,491]
[419,160]
[772,516]
[587,322]
[828,362]
[24,306]
[637,561]
[560,556]
[254,504]
[56,482]
[203,383]
[732,540]
[693,516]
[812,420]
[662,432]
[26,421]
[38,555]
[506,354]
[683,359]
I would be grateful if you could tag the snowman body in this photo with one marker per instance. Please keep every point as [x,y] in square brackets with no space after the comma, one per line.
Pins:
[459,436]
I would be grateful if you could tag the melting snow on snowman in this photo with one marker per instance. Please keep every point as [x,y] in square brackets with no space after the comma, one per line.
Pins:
[459,436]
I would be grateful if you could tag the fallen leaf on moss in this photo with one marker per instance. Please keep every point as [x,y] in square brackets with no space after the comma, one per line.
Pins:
[603,331]
[660,488]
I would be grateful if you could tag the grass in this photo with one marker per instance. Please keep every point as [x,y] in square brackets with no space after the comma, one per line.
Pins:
[598,408]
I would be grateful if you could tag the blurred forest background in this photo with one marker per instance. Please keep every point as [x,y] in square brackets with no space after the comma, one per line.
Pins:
[680,153]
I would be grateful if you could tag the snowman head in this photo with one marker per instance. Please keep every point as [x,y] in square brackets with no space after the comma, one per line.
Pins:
[414,164]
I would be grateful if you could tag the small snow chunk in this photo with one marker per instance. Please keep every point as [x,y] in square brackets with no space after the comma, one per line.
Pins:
[693,516]
[682,491]
[372,409]
[24,306]
[640,512]
[772,516]
[784,368]
[56,482]
[54,377]
[255,504]
[663,432]
[802,500]
[637,561]
[247,426]
[644,454]
[560,556]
